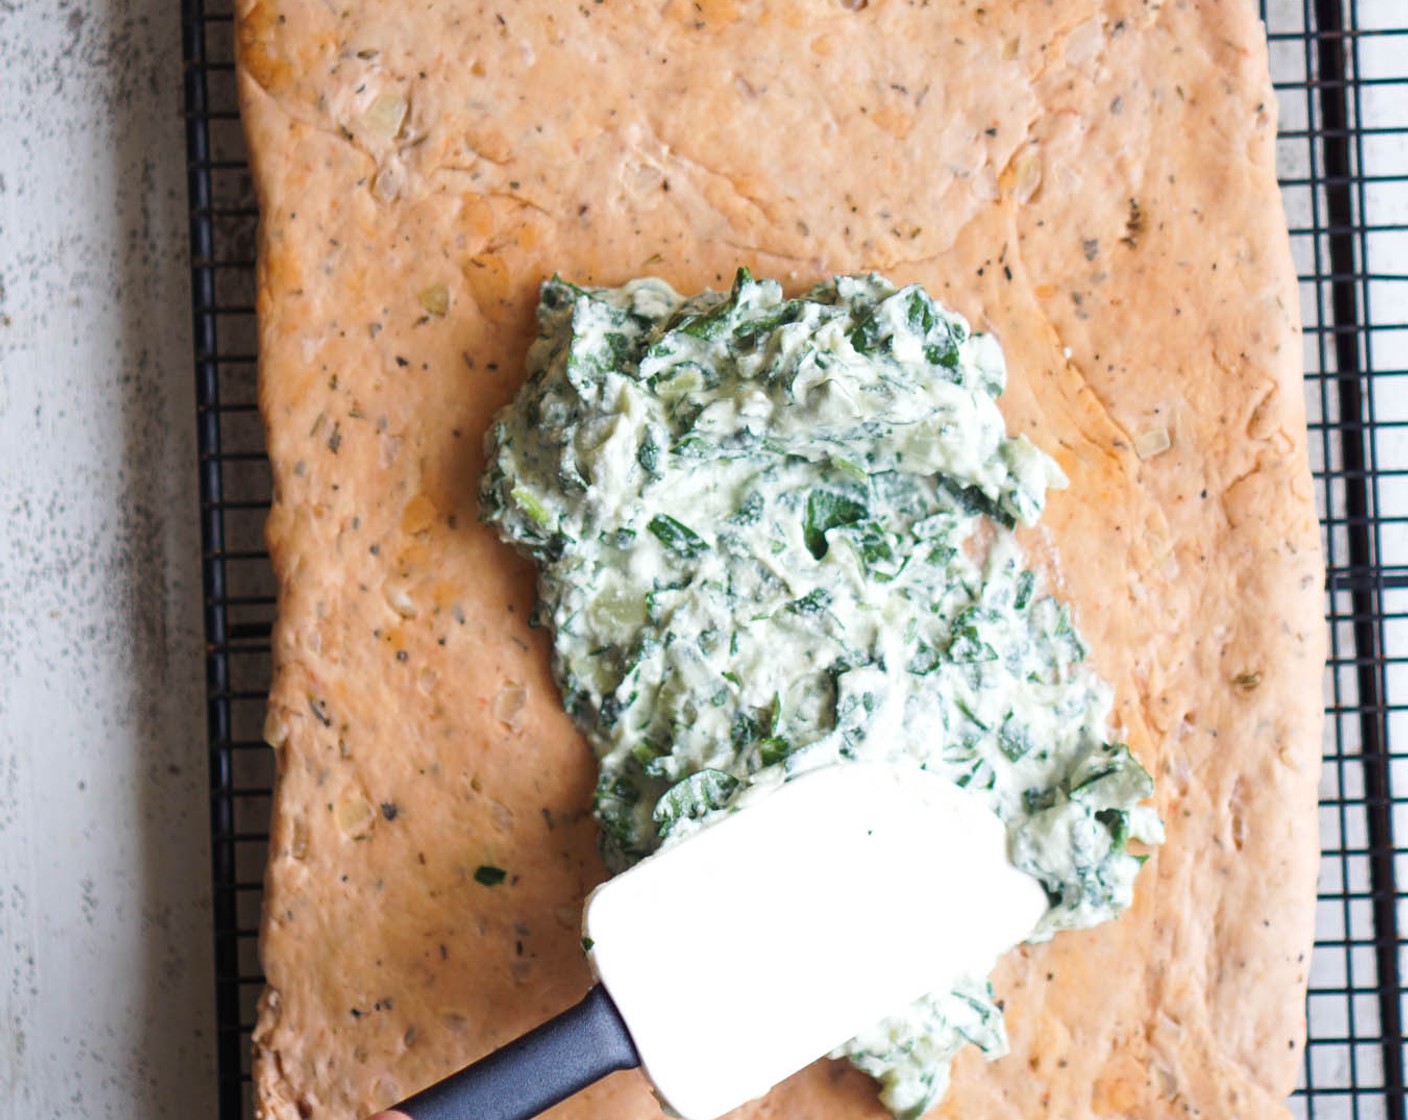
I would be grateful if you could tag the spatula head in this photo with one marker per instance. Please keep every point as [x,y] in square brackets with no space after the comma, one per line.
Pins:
[748,950]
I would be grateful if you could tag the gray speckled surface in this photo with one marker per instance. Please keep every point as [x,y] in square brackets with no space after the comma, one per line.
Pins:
[105,969]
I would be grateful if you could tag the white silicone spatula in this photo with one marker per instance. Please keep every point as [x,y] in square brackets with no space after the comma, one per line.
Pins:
[741,954]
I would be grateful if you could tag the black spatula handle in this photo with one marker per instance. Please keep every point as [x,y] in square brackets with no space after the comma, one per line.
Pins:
[535,1072]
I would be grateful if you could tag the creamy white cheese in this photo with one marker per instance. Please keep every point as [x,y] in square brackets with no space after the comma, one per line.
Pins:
[776,534]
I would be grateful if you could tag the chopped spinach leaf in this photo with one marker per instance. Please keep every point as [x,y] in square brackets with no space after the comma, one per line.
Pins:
[696,795]
[676,536]
[827,510]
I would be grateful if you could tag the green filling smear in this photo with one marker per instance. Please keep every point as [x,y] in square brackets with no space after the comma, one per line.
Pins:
[757,526]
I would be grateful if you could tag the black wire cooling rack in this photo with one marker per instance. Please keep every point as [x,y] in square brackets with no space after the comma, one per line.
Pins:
[1341,72]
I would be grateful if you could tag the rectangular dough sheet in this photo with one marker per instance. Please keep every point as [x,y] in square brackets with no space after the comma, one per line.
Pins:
[1092,181]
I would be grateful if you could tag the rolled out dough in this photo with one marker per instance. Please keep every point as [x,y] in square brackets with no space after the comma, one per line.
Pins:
[1093,182]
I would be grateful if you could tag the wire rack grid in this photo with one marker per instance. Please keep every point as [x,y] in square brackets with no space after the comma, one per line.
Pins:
[1341,75]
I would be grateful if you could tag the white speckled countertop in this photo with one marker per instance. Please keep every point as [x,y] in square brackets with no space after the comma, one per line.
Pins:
[105,961]
[106,993]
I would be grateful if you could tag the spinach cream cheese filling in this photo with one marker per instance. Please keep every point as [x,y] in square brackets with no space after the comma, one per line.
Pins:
[775,534]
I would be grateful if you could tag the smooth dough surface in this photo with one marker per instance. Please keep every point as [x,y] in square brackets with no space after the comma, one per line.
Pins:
[1092,181]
